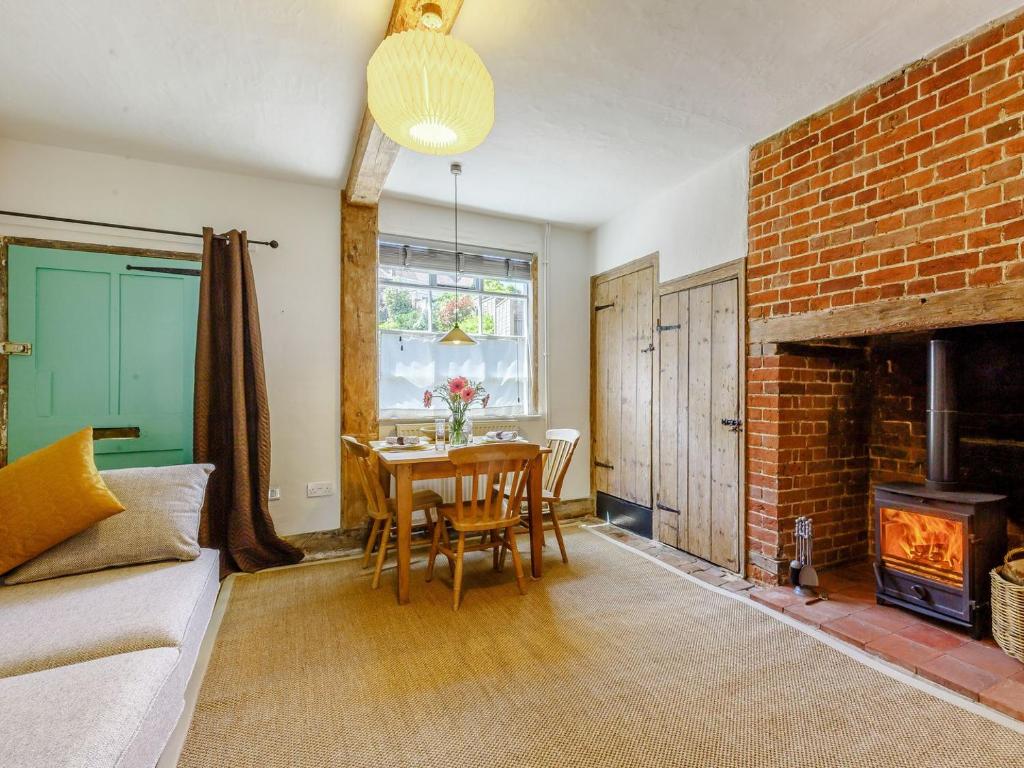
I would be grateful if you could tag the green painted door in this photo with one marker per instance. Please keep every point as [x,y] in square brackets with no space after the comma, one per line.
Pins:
[111,347]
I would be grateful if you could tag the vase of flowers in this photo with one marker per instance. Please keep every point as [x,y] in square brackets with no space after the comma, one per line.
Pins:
[458,393]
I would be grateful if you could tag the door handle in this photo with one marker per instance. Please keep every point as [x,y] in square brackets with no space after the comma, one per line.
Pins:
[668,509]
[649,348]
[735,425]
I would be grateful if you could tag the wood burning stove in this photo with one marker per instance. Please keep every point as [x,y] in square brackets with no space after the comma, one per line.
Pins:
[934,544]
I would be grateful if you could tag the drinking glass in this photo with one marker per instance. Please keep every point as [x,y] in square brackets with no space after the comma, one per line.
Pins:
[439,428]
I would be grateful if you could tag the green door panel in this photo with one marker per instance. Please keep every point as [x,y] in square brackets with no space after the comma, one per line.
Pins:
[110,348]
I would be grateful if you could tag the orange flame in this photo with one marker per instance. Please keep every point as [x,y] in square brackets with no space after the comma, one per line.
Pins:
[922,543]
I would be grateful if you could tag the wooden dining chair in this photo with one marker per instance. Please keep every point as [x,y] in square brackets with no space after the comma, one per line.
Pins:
[500,474]
[562,443]
[382,509]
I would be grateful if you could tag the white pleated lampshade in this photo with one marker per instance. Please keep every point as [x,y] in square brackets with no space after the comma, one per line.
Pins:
[430,92]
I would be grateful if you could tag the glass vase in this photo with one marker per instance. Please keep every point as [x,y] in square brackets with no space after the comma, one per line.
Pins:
[458,435]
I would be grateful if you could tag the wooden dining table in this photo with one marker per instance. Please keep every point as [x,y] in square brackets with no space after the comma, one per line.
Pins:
[407,466]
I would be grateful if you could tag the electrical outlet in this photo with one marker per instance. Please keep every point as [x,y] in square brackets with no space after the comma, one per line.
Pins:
[319,489]
[274,494]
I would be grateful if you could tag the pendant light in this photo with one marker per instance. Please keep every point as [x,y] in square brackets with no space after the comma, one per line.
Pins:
[428,91]
[456,336]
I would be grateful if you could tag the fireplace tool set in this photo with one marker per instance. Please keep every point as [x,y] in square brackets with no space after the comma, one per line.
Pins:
[801,570]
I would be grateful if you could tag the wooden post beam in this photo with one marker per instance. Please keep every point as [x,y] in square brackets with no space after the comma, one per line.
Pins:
[358,345]
[375,153]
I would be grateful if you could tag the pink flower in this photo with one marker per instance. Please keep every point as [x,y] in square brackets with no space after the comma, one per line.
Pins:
[486,400]
[456,385]
[428,398]
[467,394]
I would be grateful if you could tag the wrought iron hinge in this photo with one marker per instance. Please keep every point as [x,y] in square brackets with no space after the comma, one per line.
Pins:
[664,508]
[662,328]
[15,348]
[603,465]
[599,307]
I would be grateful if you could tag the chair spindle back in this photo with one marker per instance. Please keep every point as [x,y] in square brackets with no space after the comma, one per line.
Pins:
[360,455]
[562,443]
[504,469]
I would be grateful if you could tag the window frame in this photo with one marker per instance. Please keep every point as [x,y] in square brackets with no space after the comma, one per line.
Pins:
[532,299]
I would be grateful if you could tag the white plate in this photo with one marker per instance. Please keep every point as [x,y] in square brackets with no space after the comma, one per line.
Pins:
[390,448]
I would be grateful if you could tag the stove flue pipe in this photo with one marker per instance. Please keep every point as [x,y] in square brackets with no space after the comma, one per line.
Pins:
[942,417]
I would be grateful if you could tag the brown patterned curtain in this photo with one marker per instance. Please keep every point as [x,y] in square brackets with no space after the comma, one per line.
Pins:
[232,417]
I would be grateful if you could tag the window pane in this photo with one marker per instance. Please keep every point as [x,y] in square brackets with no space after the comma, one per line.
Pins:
[447,309]
[400,275]
[410,364]
[446,280]
[402,309]
[504,286]
[504,316]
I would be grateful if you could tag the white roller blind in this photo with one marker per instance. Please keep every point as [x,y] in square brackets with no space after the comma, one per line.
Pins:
[436,256]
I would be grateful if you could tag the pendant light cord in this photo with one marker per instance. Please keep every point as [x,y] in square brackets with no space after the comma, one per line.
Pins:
[455,176]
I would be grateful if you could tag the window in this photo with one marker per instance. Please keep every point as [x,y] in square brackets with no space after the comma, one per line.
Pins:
[417,304]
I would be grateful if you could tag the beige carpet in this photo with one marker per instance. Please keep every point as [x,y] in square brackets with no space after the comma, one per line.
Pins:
[609,661]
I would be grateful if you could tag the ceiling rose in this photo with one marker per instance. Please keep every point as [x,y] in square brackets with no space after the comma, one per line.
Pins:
[430,92]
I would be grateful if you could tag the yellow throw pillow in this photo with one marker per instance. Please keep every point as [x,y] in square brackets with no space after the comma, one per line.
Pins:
[49,496]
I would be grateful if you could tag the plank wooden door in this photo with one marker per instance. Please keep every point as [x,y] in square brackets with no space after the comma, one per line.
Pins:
[113,346]
[698,436]
[623,368]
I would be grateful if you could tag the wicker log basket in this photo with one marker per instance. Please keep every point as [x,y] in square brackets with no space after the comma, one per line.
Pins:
[1008,603]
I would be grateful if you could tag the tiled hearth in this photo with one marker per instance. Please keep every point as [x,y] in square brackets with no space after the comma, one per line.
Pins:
[977,669]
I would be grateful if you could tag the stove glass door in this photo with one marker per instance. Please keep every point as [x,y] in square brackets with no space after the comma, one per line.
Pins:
[922,544]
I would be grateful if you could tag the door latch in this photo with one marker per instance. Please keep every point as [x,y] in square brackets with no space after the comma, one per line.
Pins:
[15,348]
[603,465]
[648,348]
[735,425]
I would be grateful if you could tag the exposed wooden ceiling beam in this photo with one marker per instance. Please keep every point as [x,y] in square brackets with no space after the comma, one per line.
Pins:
[374,152]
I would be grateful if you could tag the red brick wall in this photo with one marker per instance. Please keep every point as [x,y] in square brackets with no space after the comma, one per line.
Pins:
[908,188]
[807,425]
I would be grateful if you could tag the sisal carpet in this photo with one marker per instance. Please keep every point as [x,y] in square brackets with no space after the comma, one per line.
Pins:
[609,661]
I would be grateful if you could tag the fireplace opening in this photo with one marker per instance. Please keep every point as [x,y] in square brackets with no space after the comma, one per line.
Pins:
[925,481]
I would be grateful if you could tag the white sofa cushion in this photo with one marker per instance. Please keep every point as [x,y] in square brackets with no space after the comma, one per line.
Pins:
[160,521]
[45,624]
[97,714]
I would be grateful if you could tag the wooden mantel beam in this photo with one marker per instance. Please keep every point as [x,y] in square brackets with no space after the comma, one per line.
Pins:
[374,152]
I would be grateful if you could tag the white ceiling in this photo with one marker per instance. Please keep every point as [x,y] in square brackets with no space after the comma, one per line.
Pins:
[600,103]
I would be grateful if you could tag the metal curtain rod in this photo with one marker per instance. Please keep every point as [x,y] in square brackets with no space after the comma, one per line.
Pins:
[271,243]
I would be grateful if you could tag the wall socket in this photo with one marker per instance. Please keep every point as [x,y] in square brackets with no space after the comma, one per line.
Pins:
[274,494]
[313,490]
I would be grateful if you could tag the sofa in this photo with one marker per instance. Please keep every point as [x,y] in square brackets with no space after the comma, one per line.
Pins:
[94,667]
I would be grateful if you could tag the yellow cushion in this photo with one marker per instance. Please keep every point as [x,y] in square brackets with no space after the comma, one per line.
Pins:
[49,496]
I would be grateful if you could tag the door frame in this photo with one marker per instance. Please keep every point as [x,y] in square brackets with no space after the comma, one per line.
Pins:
[650,260]
[731,270]
[62,245]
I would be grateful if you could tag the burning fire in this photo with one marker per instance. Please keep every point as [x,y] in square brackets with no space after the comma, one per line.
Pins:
[924,543]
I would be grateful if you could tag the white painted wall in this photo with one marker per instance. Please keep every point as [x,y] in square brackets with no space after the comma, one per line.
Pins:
[564,309]
[697,224]
[297,283]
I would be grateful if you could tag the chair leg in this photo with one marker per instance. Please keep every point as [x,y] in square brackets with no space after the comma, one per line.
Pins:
[459,552]
[447,544]
[435,541]
[382,553]
[558,535]
[495,549]
[374,530]
[510,538]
